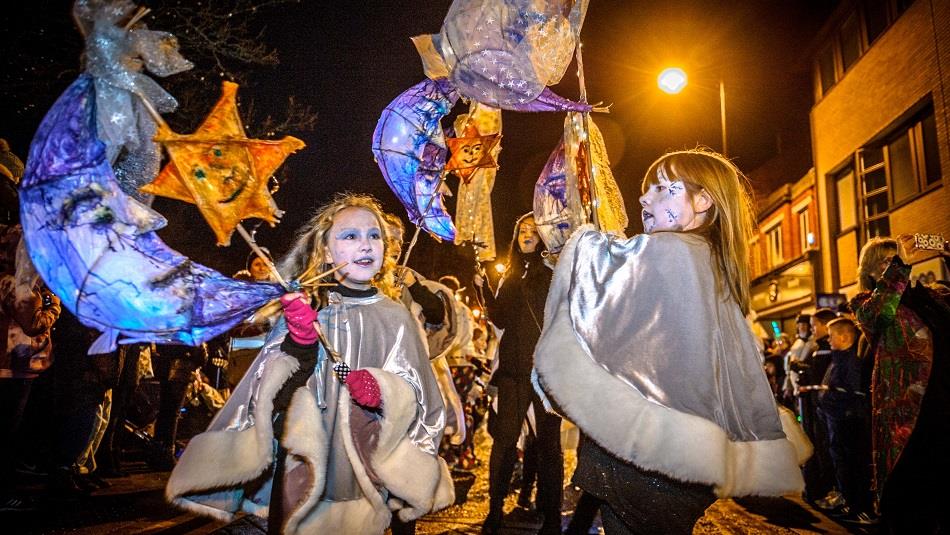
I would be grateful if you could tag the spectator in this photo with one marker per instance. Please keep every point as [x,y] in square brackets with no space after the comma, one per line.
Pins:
[910,390]
[819,470]
[801,348]
[846,409]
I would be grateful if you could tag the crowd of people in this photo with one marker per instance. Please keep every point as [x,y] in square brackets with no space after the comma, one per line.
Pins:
[346,406]
[868,382]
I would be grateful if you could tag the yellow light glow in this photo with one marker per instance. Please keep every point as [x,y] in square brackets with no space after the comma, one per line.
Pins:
[499,267]
[672,80]
[477,313]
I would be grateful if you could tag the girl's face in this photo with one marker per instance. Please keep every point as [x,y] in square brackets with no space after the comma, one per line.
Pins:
[668,206]
[528,237]
[355,239]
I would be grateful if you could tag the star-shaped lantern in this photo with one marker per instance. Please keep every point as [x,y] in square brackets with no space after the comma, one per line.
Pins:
[220,170]
[471,152]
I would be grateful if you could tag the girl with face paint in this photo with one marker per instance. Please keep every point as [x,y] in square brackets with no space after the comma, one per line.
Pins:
[646,348]
[313,449]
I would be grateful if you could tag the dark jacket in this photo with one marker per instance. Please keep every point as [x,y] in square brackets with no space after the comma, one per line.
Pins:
[519,310]
[846,391]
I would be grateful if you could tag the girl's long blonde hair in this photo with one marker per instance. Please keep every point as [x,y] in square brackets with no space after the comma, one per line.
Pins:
[729,222]
[306,257]
[387,283]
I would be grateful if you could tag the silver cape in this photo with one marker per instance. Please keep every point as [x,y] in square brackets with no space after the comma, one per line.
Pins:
[650,360]
[367,332]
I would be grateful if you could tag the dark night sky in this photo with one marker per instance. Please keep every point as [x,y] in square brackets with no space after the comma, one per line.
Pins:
[349,62]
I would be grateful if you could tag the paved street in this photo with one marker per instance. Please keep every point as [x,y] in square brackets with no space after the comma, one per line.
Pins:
[135,505]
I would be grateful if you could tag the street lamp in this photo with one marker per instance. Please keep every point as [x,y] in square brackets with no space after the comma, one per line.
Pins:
[673,79]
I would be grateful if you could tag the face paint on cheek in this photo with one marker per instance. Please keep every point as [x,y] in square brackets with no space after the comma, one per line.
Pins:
[675,189]
[671,216]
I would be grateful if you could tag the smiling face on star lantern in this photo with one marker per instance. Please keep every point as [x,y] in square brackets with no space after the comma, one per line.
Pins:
[355,238]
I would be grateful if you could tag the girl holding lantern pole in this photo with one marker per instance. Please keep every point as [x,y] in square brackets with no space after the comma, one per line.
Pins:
[333,430]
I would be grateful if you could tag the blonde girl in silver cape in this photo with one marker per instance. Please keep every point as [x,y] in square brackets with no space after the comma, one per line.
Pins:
[354,452]
[646,348]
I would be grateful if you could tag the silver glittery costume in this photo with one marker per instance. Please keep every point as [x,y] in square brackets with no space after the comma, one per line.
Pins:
[344,462]
[642,352]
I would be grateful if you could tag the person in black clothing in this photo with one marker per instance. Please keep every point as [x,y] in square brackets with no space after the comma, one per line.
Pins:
[518,308]
[173,365]
[818,470]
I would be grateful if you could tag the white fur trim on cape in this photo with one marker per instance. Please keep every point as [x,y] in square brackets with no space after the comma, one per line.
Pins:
[246,453]
[796,435]
[420,480]
[651,436]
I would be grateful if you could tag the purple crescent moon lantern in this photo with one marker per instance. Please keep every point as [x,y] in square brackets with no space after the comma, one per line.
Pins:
[409,146]
[97,249]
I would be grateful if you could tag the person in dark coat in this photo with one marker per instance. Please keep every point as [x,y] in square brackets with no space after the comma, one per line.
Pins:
[910,386]
[518,308]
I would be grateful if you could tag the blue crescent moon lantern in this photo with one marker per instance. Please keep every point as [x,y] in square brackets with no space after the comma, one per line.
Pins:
[96,247]
[409,146]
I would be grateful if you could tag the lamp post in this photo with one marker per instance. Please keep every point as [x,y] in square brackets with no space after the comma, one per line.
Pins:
[673,80]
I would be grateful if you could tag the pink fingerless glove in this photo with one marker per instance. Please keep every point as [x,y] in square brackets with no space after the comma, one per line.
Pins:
[364,389]
[300,317]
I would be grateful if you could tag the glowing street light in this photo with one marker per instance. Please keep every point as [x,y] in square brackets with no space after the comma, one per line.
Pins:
[499,267]
[672,80]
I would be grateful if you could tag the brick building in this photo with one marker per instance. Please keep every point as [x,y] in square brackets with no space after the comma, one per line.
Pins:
[879,129]
[785,255]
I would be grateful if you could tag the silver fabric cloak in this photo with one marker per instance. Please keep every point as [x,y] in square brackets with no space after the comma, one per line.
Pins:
[642,352]
[346,468]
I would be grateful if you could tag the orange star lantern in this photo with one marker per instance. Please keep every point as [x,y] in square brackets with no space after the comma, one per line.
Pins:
[220,170]
[471,153]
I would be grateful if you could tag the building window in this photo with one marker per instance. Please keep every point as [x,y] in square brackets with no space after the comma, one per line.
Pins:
[756,253]
[874,191]
[845,228]
[901,165]
[850,41]
[889,172]
[912,158]
[844,196]
[773,238]
[826,69]
[928,146]
[875,19]
[806,238]
[852,38]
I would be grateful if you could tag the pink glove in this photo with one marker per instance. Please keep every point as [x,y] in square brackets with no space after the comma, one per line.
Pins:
[364,389]
[300,318]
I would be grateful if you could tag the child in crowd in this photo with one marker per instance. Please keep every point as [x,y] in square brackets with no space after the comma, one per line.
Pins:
[313,445]
[646,348]
[846,410]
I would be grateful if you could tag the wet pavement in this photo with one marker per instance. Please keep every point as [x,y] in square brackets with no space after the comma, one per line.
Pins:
[135,505]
